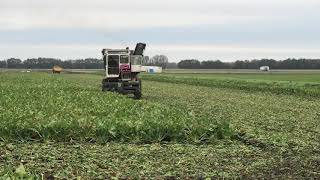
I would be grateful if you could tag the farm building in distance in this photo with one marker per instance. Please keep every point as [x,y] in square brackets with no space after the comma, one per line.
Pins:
[264,68]
[151,69]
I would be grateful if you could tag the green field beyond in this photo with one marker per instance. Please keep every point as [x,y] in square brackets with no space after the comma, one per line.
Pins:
[303,84]
[291,76]
[186,125]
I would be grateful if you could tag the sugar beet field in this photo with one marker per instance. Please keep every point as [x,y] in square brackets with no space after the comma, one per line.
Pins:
[245,125]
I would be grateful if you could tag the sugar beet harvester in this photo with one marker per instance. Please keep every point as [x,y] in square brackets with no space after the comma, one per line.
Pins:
[122,67]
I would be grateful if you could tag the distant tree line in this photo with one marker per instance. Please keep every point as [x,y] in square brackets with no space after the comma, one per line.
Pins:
[162,60]
[88,63]
[157,60]
[48,63]
[253,64]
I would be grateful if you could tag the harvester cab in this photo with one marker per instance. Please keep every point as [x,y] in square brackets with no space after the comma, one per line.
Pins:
[122,67]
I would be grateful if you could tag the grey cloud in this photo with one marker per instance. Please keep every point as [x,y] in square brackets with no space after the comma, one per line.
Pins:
[42,27]
[143,13]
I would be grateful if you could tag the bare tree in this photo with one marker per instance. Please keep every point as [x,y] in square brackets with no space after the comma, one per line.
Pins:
[160,60]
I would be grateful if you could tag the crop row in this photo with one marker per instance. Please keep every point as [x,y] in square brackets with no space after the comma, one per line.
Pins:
[278,87]
[40,106]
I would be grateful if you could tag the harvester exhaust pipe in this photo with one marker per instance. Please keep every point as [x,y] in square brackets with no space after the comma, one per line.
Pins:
[140,47]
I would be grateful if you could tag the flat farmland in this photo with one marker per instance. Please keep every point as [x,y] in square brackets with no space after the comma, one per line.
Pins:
[291,76]
[187,125]
[240,71]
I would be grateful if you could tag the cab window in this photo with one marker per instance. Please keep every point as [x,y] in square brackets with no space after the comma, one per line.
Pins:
[136,60]
[124,59]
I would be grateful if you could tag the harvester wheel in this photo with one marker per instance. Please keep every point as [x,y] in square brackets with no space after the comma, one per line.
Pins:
[137,94]
[103,88]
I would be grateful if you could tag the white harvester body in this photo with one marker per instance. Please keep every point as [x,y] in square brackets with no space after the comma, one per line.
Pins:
[122,67]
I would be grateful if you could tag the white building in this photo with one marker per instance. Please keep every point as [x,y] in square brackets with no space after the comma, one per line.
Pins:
[264,68]
[151,69]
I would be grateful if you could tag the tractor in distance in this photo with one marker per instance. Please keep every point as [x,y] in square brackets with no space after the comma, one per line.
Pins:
[122,67]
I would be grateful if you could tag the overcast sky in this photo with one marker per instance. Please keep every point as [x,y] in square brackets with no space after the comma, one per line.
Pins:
[181,29]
